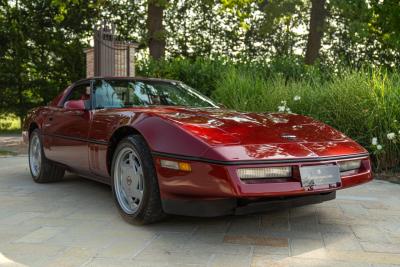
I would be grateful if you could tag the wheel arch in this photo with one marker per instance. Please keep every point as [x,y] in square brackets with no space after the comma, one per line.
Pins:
[32,126]
[115,138]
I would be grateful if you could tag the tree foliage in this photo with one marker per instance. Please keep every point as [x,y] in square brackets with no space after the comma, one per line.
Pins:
[42,41]
[41,49]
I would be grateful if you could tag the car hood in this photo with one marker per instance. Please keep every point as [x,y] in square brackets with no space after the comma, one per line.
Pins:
[224,127]
[240,136]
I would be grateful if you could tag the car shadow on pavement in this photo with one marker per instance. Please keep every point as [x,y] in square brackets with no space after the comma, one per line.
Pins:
[286,232]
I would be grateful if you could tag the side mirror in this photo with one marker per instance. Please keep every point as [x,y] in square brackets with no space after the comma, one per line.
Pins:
[75,105]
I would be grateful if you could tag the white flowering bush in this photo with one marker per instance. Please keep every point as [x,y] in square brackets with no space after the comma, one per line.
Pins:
[283,107]
[375,146]
[391,136]
[364,105]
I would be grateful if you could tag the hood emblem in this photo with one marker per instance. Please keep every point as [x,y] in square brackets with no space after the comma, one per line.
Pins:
[289,136]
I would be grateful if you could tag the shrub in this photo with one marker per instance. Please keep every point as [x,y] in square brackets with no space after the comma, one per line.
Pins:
[362,104]
[201,74]
[9,123]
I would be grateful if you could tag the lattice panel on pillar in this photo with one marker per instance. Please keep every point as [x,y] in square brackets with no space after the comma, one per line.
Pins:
[110,56]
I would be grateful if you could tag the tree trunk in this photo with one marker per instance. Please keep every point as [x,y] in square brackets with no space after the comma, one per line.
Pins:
[155,30]
[317,20]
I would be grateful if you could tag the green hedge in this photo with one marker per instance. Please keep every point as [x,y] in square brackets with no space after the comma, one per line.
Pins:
[364,104]
[201,74]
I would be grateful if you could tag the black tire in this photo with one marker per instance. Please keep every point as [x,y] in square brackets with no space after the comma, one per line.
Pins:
[150,209]
[49,172]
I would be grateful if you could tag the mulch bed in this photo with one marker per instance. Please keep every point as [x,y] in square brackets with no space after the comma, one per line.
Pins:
[390,176]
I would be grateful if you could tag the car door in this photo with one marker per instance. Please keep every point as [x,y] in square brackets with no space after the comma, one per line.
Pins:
[67,130]
[107,99]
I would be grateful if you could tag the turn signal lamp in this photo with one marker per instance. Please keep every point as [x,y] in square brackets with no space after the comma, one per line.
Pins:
[175,165]
[262,173]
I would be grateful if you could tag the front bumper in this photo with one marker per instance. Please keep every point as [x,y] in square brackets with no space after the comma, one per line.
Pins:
[215,189]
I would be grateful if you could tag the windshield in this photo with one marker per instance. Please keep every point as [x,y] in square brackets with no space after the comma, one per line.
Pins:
[129,93]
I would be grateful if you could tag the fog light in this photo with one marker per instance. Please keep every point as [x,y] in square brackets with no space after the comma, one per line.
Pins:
[259,173]
[169,164]
[349,165]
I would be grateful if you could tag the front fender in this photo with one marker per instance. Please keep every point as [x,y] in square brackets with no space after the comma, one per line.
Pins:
[166,137]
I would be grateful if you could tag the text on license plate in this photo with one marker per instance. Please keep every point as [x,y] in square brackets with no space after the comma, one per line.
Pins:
[319,175]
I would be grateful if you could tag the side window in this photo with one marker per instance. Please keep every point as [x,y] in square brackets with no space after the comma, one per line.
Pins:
[80,92]
[106,96]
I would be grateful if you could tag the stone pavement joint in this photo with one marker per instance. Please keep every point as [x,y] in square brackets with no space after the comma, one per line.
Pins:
[256,240]
[40,235]
[75,223]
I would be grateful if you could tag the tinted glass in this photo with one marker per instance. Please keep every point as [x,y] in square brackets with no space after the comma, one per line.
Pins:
[128,93]
[80,92]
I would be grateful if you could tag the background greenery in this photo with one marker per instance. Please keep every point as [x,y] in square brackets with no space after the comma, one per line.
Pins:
[9,123]
[249,55]
[362,103]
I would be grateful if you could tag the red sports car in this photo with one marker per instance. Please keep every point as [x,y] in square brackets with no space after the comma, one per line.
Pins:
[166,149]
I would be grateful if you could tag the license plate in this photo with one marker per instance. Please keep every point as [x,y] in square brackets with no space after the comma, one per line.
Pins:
[319,175]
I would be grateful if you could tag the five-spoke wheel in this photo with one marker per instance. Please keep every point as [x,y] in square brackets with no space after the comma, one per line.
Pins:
[129,180]
[135,184]
[42,170]
[35,155]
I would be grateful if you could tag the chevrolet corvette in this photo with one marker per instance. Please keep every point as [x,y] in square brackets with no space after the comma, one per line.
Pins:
[167,149]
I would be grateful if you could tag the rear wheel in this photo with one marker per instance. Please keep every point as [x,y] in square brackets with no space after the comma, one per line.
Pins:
[135,185]
[42,170]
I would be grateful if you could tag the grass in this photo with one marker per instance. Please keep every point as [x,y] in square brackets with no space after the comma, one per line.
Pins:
[362,104]
[7,153]
[9,124]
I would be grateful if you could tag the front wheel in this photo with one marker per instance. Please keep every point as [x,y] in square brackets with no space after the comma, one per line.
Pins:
[42,170]
[135,186]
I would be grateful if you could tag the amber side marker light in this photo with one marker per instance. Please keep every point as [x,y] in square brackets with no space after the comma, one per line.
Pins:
[175,165]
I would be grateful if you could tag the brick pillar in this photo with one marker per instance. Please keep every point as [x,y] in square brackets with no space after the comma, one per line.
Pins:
[89,62]
[132,53]
[122,53]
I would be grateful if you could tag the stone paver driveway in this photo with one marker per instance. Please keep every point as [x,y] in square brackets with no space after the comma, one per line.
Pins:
[75,223]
